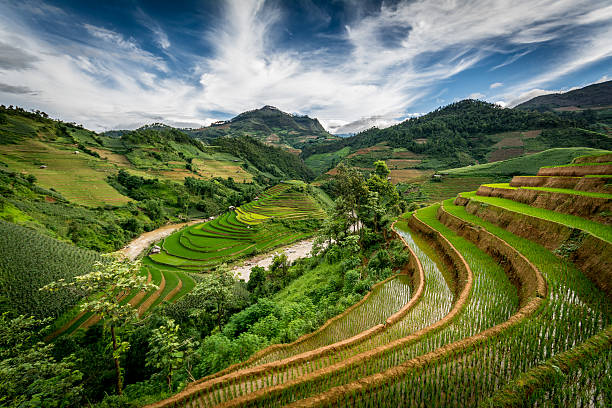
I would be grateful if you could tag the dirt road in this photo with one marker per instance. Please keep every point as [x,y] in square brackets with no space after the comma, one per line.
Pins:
[134,248]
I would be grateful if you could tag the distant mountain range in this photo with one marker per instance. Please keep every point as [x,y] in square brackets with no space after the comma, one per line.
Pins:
[271,126]
[592,96]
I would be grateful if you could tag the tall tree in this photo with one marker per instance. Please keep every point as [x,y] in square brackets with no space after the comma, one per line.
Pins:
[104,288]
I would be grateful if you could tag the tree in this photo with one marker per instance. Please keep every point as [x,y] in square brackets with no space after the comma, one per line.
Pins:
[29,374]
[214,293]
[103,289]
[167,352]
[381,169]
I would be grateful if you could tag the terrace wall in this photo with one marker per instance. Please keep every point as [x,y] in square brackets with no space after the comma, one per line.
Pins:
[576,171]
[526,274]
[592,184]
[413,267]
[592,255]
[592,208]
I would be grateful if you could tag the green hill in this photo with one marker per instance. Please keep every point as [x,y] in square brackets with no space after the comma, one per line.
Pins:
[100,190]
[463,133]
[270,125]
[592,96]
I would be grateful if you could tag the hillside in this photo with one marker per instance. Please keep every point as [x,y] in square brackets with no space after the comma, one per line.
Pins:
[517,315]
[592,96]
[463,133]
[100,190]
[271,126]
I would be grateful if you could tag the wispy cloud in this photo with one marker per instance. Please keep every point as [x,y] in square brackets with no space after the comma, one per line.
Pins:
[392,58]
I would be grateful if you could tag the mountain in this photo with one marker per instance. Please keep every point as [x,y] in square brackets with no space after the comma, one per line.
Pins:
[592,96]
[271,126]
[460,134]
[99,190]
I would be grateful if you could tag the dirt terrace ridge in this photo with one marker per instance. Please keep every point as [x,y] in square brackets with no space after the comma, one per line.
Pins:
[590,208]
[576,171]
[590,184]
[464,276]
[592,255]
[531,298]
[237,371]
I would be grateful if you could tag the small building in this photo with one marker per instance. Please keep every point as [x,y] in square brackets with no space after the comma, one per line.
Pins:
[232,208]
[155,250]
[76,152]
[42,167]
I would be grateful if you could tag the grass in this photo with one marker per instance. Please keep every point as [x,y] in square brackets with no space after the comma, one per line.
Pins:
[248,229]
[525,165]
[552,190]
[599,230]
[579,165]
[320,163]
[78,177]
[575,310]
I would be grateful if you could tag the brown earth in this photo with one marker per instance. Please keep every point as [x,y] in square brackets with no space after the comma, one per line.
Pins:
[604,158]
[592,208]
[577,171]
[591,184]
[592,255]
[506,153]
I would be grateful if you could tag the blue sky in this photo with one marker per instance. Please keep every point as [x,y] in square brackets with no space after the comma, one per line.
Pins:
[352,64]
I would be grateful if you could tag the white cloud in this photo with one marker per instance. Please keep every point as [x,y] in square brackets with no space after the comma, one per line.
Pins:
[106,79]
[476,95]
[604,78]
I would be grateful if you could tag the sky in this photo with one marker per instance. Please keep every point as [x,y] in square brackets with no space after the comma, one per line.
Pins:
[353,64]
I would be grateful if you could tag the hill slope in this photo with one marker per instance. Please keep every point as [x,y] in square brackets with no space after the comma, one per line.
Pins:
[463,133]
[596,95]
[270,125]
[100,190]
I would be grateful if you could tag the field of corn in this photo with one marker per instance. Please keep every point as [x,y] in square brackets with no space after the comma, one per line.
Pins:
[503,304]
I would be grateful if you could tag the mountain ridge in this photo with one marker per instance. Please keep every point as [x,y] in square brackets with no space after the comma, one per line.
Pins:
[591,96]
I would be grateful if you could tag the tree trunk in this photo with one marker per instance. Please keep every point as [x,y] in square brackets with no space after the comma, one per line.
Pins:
[118,385]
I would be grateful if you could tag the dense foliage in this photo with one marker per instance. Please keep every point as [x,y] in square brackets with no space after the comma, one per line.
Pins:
[268,124]
[458,134]
[31,260]
[279,163]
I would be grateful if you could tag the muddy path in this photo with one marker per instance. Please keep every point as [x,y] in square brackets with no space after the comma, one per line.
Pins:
[138,245]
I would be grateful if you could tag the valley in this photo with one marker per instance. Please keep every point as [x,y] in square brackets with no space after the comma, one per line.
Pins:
[461,258]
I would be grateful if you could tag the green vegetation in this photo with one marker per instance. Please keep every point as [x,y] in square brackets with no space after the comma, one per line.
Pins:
[525,165]
[320,163]
[599,230]
[460,134]
[551,190]
[269,125]
[281,215]
[31,260]
[101,190]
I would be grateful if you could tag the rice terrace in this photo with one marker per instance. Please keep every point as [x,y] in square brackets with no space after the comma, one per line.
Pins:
[422,224]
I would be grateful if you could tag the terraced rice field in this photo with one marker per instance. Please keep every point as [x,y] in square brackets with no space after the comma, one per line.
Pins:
[513,307]
[238,233]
